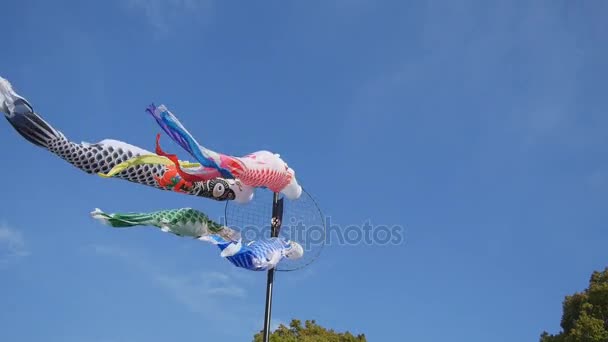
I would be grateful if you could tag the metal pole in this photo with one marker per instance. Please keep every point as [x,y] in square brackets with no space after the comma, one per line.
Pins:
[277,217]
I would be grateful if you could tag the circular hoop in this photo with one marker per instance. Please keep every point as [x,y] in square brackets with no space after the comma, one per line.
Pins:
[303,222]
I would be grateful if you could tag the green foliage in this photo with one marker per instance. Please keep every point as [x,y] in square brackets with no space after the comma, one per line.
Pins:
[310,332]
[585,314]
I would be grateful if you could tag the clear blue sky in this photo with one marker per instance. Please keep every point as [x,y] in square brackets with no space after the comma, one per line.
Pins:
[479,127]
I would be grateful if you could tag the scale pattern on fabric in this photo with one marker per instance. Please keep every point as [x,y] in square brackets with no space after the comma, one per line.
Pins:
[181,222]
[101,157]
[185,216]
[257,255]
[273,179]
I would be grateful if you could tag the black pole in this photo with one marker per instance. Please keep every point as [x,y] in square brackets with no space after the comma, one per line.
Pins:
[275,227]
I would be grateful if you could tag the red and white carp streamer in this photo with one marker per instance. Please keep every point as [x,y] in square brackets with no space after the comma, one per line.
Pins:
[258,169]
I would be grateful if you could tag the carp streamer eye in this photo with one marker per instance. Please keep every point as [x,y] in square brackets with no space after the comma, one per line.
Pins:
[218,190]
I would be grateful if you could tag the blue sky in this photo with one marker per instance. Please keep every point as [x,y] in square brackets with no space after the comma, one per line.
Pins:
[479,127]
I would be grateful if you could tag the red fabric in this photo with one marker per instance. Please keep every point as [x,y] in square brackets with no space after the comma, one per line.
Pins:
[185,176]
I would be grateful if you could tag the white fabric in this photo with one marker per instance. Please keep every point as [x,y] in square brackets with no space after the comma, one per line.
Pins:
[7,96]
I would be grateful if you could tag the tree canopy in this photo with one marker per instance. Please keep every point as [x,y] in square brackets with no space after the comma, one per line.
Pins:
[310,332]
[585,314]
